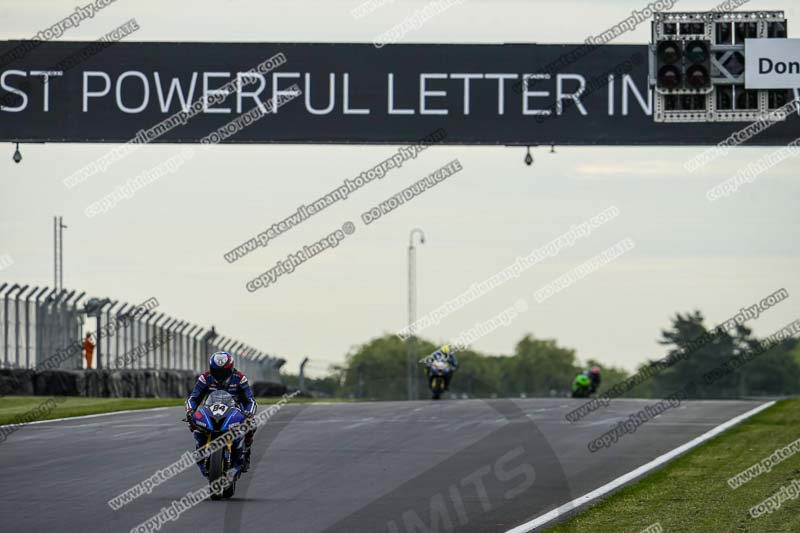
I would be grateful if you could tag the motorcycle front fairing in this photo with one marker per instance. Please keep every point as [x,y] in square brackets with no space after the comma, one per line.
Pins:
[206,420]
[218,414]
[440,368]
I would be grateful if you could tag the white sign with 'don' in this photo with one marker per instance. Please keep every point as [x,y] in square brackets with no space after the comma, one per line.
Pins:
[772,63]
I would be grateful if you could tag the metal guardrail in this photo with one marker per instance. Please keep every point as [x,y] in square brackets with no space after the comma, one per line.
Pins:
[43,329]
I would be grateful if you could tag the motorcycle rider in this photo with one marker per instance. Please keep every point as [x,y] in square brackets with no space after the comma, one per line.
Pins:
[222,375]
[594,376]
[445,354]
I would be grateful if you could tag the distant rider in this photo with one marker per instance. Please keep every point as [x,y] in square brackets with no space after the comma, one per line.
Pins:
[586,383]
[581,386]
[594,376]
[222,376]
[445,354]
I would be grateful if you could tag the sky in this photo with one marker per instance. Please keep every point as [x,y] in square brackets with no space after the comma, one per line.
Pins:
[168,240]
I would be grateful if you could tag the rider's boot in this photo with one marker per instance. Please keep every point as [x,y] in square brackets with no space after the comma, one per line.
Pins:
[201,464]
[246,464]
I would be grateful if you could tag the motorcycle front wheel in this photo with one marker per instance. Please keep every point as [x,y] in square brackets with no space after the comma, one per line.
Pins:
[437,385]
[216,470]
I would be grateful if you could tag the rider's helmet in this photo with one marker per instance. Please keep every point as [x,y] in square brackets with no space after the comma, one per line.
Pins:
[595,371]
[582,380]
[221,366]
[442,354]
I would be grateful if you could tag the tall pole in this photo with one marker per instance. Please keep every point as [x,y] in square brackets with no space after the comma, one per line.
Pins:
[61,228]
[58,252]
[412,312]
[61,255]
[55,252]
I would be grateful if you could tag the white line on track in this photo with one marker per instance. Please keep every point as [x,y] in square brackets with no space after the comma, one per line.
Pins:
[633,474]
[89,416]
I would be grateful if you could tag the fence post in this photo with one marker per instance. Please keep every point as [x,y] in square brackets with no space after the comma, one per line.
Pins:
[110,328]
[123,323]
[180,326]
[186,340]
[99,321]
[181,340]
[142,325]
[42,334]
[207,338]
[158,349]
[185,330]
[197,347]
[133,338]
[168,343]
[77,320]
[5,323]
[64,320]
[35,332]
[16,324]
[302,376]
[28,327]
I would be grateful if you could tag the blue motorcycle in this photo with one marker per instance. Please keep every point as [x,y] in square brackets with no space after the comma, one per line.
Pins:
[439,374]
[218,414]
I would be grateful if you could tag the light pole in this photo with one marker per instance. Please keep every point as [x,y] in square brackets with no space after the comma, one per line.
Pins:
[412,311]
[58,252]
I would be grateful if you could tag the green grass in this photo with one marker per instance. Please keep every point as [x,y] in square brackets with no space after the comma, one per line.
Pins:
[13,406]
[692,493]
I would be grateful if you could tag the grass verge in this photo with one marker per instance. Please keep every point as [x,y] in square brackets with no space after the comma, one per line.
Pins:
[48,407]
[692,492]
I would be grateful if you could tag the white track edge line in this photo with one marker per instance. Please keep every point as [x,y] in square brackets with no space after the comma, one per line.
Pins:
[86,416]
[658,461]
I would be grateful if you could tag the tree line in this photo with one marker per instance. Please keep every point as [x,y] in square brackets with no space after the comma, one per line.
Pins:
[376,370]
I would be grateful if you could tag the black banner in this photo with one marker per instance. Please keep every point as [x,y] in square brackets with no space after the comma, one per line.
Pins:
[340,93]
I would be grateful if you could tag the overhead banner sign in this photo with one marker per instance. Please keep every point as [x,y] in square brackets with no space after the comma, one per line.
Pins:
[772,63]
[340,93]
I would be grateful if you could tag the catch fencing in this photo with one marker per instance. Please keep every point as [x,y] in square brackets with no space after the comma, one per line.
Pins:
[43,329]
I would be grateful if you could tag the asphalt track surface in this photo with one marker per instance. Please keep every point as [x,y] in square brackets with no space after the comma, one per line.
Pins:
[392,467]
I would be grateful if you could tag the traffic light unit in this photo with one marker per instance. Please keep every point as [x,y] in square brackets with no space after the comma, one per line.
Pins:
[697,66]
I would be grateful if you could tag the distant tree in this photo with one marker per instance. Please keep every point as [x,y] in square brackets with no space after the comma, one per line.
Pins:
[377,369]
[775,373]
[539,367]
[702,351]
[695,355]
[478,375]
